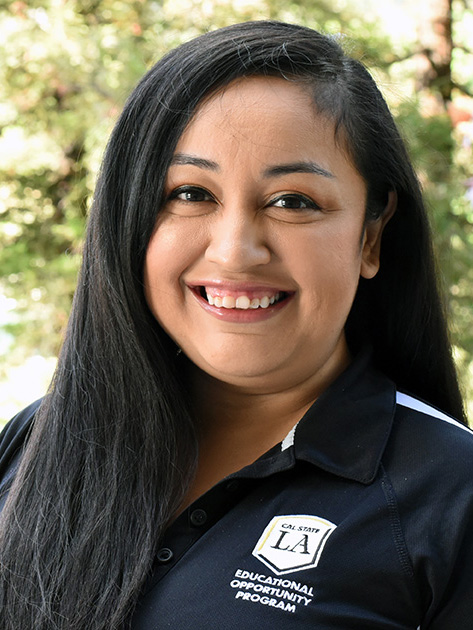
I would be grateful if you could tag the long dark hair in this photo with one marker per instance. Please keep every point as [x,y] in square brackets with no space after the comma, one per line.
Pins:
[113,448]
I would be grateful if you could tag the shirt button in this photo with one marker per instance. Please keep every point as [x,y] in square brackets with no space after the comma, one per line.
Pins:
[198,517]
[164,555]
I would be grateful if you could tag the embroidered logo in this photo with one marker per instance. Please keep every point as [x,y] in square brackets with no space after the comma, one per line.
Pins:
[293,542]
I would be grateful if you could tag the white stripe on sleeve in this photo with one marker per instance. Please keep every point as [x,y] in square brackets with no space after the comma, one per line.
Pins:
[413,403]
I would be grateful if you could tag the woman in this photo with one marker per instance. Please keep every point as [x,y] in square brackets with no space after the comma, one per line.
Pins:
[225,443]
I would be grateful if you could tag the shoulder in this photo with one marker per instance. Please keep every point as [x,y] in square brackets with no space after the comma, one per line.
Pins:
[431,430]
[429,454]
[14,434]
[429,465]
[419,409]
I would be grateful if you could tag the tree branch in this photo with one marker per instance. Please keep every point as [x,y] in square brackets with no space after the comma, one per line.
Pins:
[466,50]
[463,89]
[410,55]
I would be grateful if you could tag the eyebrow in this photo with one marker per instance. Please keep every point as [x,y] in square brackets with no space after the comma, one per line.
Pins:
[297,167]
[185,159]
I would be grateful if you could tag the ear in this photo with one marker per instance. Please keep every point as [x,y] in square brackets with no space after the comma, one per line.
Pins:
[372,239]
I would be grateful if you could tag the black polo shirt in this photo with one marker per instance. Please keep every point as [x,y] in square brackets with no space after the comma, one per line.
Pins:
[361,519]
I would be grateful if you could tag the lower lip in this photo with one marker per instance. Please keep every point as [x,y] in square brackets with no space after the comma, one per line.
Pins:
[242,316]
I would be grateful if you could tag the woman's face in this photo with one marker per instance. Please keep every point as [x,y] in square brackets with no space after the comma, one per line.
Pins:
[258,248]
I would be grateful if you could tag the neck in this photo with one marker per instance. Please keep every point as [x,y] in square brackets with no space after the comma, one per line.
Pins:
[276,403]
[237,425]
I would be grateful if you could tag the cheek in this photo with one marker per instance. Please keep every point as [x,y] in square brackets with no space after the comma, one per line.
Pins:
[162,265]
[331,275]
[174,247]
[330,263]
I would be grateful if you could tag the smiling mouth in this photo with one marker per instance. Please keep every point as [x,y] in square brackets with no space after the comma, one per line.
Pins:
[242,301]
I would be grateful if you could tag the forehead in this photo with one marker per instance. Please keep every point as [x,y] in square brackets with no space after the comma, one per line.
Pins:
[265,119]
[259,93]
[271,103]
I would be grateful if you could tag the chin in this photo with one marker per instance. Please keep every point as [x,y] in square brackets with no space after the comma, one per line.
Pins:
[242,373]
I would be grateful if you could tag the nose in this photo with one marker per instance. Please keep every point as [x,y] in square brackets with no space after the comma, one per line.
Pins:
[237,240]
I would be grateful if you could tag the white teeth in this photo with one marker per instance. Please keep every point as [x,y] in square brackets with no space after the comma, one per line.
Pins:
[228,301]
[242,302]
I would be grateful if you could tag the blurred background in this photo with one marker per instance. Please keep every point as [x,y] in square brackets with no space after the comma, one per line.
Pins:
[66,68]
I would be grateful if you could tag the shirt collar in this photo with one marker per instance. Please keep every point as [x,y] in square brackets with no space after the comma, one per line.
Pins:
[345,431]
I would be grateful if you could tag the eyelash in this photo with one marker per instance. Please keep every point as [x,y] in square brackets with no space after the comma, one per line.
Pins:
[309,204]
[188,190]
[205,196]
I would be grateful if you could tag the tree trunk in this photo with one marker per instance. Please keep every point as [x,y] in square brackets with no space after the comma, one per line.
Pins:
[435,38]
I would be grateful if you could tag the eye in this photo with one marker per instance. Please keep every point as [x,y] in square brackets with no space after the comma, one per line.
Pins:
[190,194]
[294,202]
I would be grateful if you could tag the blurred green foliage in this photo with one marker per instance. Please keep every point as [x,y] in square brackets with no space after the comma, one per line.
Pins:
[66,68]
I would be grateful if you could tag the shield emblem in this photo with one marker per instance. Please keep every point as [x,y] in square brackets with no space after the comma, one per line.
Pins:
[293,542]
